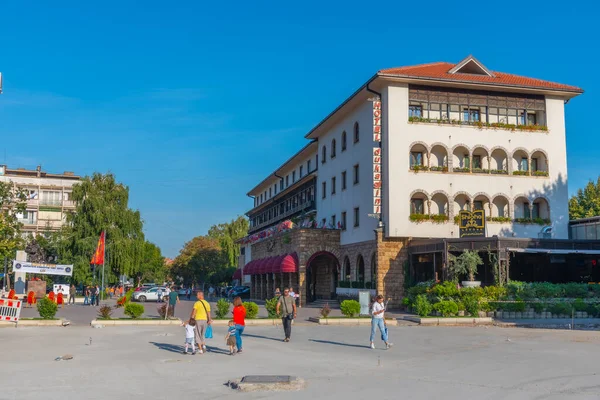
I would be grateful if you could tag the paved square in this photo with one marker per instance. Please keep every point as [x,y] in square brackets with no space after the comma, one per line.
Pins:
[425,363]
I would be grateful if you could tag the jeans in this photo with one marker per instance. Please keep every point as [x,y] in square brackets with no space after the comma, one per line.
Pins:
[86,301]
[287,327]
[93,300]
[378,323]
[239,329]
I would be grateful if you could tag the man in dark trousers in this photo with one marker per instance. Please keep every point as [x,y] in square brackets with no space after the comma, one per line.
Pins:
[97,295]
[173,300]
[286,307]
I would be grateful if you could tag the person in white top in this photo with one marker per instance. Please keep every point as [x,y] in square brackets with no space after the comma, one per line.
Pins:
[378,321]
[190,327]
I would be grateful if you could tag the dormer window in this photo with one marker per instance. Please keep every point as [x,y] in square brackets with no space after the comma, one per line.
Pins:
[471,66]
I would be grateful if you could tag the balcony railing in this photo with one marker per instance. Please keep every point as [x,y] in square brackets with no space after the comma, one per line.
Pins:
[68,203]
[306,206]
[51,202]
[28,221]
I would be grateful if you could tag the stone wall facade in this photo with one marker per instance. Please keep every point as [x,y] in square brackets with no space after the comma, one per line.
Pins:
[392,259]
[352,252]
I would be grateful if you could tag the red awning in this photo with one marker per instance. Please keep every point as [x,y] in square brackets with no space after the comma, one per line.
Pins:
[289,263]
[248,268]
[237,274]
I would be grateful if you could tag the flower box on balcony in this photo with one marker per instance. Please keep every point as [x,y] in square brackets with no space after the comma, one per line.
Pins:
[417,168]
[537,221]
[539,173]
[440,169]
[464,170]
[499,172]
[521,173]
[419,217]
[499,219]
[481,171]
[439,218]
[481,125]
[457,219]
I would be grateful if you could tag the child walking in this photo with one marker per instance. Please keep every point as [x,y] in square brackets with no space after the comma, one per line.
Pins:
[230,338]
[189,336]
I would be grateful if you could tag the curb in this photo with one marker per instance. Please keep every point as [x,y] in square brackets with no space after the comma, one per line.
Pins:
[33,322]
[249,322]
[577,326]
[349,321]
[450,321]
[121,322]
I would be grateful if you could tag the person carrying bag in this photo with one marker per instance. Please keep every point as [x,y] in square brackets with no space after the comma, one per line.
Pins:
[378,321]
[287,303]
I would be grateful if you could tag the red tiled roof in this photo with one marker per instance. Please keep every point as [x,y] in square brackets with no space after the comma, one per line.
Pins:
[440,70]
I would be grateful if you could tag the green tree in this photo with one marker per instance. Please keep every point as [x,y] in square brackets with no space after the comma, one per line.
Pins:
[227,234]
[199,259]
[152,265]
[586,203]
[12,202]
[102,205]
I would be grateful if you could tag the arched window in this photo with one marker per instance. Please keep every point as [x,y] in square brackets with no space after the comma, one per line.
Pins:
[344,141]
[346,270]
[333,148]
[324,155]
[360,269]
[356,133]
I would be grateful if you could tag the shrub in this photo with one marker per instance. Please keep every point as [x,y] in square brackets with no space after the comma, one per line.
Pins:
[358,285]
[447,308]
[460,305]
[344,284]
[271,306]
[471,305]
[325,311]
[47,308]
[494,292]
[368,285]
[105,312]
[445,290]
[595,288]
[560,308]
[465,264]
[162,309]
[222,308]
[134,310]
[422,306]
[251,309]
[594,309]
[538,307]
[350,308]
[575,290]
[406,302]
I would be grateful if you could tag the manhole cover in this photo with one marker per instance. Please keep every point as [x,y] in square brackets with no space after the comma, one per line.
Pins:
[267,379]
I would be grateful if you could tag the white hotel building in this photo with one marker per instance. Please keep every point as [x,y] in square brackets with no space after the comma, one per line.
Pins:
[388,171]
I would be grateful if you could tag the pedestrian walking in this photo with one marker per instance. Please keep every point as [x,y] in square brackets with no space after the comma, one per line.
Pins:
[159,293]
[201,313]
[72,294]
[230,338]
[211,292]
[190,328]
[378,321]
[93,296]
[97,295]
[189,294]
[86,296]
[173,300]
[295,296]
[277,292]
[286,307]
[239,317]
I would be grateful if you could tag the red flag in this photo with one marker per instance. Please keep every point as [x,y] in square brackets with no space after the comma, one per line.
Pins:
[98,257]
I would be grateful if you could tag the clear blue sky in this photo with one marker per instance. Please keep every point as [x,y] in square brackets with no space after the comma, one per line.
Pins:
[192,103]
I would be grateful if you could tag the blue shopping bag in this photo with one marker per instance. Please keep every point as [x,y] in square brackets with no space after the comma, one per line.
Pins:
[209,333]
[384,333]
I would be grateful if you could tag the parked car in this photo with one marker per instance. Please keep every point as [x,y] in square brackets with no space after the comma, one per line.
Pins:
[149,294]
[241,291]
[182,292]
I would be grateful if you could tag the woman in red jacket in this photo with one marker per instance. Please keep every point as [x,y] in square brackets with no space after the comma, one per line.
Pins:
[239,318]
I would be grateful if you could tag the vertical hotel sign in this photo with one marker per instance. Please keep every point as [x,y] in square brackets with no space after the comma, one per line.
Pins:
[377,156]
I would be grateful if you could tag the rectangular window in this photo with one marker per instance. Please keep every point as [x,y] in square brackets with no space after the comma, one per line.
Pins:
[270,193]
[343,220]
[415,111]
[333,222]
[287,180]
[471,115]
[528,118]
[535,210]
[301,170]
[333,185]
[275,188]
[355,179]
[293,176]
[523,165]
[526,211]
[477,162]
[534,164]
[308,166]
[324,189]
[466,161]
[356,217]
[416,159]
[417,206]
[281,184]
[478,205]
[343,180]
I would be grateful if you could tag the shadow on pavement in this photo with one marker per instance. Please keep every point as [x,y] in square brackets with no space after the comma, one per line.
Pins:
[261,337]
[338,343]
[168,347]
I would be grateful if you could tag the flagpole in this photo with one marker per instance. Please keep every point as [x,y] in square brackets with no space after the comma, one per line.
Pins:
[103,261]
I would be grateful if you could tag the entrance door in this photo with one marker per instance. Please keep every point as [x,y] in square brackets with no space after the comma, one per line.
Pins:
[321,277]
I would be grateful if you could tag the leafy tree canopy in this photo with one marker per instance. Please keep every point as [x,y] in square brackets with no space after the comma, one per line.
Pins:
[12,202]
[227,234]
[586,203]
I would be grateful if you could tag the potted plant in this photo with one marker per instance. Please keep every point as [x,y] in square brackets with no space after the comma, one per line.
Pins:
[466,264]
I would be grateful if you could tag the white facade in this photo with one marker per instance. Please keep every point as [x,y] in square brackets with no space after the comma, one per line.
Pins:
[516,174]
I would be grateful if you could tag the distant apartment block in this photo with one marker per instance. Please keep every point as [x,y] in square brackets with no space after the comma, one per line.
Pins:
[48,197]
